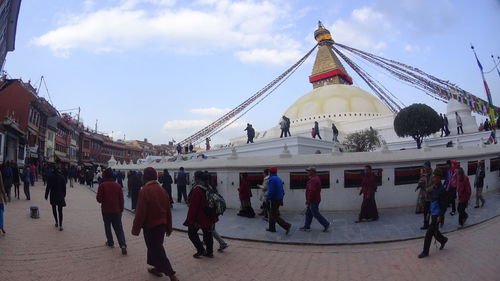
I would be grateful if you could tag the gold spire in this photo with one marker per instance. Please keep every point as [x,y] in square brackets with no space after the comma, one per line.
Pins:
[327,69]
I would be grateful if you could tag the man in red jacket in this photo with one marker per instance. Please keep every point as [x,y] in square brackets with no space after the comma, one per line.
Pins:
[313,198]
[197,219]
[110,195]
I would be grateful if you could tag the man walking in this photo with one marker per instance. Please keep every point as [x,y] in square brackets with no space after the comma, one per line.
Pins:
[181,185]
[443,131]
[479,183]
[438,203]
[316,130]
[313,198]
[275,196]
[445,124]
[110,195]
[335,132]
[250,133]
[26,181]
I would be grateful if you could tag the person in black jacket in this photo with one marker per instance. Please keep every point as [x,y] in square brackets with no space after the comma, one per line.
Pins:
[438,204]
[134,183]
[167,184]
[479,183]
[15,179]
[181,185]
[56,187]
[250,133]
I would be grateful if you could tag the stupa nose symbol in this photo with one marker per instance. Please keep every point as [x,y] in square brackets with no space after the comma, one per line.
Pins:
[322,34]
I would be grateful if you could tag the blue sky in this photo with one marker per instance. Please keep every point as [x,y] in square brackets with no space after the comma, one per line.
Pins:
[161,69]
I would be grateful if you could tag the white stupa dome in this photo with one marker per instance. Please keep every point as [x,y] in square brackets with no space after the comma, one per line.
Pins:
[336,102]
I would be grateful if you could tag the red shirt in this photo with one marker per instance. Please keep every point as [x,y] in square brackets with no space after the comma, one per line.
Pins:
[244,190]
[153,208]
[368,185]
[196,212]
[463,189]
[110,195]
[313,190]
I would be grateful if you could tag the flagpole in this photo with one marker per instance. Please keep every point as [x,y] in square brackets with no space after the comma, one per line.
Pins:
[487,89]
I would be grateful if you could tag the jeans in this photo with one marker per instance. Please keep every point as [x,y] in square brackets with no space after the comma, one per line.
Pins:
[459,128]
[27,190]
[462,215]
[313,211]
[1,215]
[433,230]
[115,220]
[207,239]
[217,237]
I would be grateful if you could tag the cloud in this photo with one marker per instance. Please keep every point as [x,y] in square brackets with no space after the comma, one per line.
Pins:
[210,111]
[206,26]
[272,56]
[409,48]
[366,29]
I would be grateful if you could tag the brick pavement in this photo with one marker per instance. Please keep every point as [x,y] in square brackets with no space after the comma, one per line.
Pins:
[36,250]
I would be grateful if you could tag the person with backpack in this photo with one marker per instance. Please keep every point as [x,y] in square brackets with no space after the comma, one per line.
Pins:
[479,183]
[197,218]
[275,195]
[438,204]
[245,193]
[155,218]
[213,188]
[464,192]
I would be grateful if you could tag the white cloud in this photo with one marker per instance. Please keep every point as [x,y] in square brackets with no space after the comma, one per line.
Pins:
[272,56]
[210,111]
[88,5]
[366,29]
[409,48]
[207,26]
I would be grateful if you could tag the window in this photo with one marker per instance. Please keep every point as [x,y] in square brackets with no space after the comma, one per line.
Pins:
[494,164]
[86,144]
[406,175]
[254,178]
[471,168]
[298,180]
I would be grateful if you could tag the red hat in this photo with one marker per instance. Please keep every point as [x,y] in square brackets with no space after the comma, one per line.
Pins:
[108,173]
[150,174]
[273,169]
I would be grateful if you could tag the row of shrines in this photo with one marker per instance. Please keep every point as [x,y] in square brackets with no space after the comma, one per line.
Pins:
[32,130]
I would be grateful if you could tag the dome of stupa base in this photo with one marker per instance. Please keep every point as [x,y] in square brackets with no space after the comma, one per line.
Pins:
[336,102]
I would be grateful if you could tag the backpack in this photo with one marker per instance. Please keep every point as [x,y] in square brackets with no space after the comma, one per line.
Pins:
[216,205]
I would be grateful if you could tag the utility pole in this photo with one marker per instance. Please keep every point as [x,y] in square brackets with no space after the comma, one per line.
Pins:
[96,126]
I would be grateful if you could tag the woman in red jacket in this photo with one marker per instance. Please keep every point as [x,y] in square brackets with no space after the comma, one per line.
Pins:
[245,193]
[153,215]
[464,192]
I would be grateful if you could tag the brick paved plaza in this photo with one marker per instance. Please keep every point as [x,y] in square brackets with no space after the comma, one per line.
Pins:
[36,250]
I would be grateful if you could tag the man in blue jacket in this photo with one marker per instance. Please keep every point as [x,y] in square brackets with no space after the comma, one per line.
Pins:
[275,194]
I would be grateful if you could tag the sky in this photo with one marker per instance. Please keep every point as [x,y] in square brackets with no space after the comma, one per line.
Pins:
[163,69]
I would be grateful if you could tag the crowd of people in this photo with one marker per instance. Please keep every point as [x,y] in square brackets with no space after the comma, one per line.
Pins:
[151,196]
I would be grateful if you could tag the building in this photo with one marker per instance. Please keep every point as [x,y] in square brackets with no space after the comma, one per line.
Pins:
[12,141]
[19,101]
[9,12]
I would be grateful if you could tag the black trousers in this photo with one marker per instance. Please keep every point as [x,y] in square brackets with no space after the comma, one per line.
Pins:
[459,128]
[27,190]
[16,190]
[208,239]
[156,253]
[452,195]
[274,216]
[433,230]
[58,219]
[316,134]
[181,192]
[249,140]
[114,220]
[427,210]
[462,215]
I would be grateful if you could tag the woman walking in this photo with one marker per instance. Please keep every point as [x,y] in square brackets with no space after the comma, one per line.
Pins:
[154,217]
[464,192]
[368,189]
[56,187]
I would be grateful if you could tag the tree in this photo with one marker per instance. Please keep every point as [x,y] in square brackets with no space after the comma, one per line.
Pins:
[366,140]
[417,121]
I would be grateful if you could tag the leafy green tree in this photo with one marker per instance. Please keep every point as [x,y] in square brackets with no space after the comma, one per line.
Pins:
[417,121]
[366,140]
